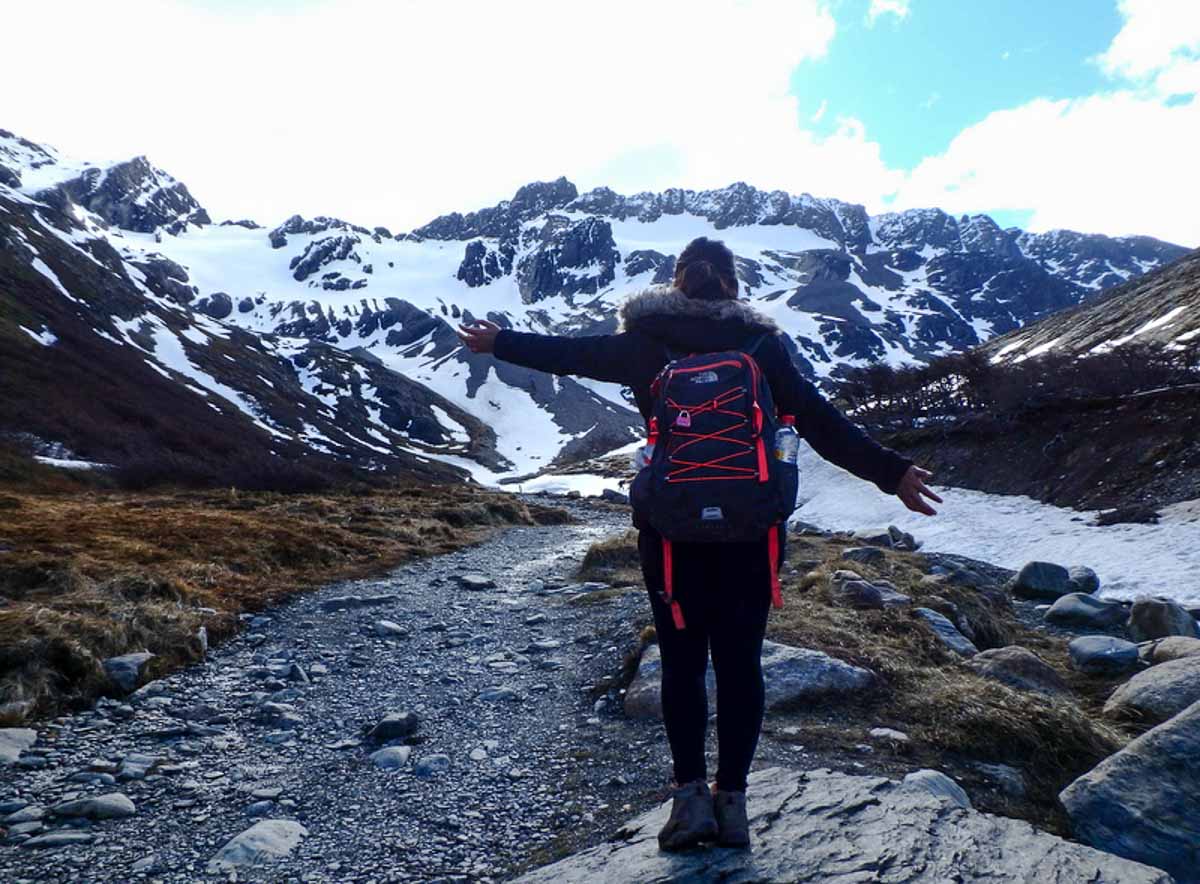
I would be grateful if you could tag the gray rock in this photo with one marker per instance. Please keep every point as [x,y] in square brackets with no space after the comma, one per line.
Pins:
[125,671]
[1009,779]
[395,726]
[389,628]
[475,581]
[1085,579]
[1018,668]
[889,735]
[1158,693]
[502,694]
[614,496]
[823,826]
[135,766]
[350,602]
[1140,803]
[58,839]
[1079,610]
[791,675]
[856,594]
[28,814]
[947,632]
[265,842]
[14,741]
[1159,618]
[866,555]
[1173,647]
[1102,655]
[432,765]
[937,783]
[102,807]
[391,758]
[1042,580]
[260,808]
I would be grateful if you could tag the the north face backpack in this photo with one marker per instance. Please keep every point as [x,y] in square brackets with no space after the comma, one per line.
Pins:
[713,476]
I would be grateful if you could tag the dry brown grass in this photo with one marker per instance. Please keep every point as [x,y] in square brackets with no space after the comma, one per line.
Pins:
[924,689]
[613,561]
[91,574]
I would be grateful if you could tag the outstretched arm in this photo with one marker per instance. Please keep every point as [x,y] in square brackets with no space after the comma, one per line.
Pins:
[621,358]
[840,441]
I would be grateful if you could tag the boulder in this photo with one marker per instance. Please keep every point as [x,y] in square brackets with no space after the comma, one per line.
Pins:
[866,555]
[14,741]
[101,807]
[1083,611]
[475,581]
[126,671]
[937,783]
[1085,579]
[391,758]
[856,594]
[1018,668]
[947,633]
[825,826]
[1159,618]
[790,675]
[1158,693]
[265,842]
[395,726]
[1173,647]
[1102,655]
[1140,803]
[1042,580]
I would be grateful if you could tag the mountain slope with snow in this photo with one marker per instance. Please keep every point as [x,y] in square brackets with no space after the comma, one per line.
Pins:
[336,300]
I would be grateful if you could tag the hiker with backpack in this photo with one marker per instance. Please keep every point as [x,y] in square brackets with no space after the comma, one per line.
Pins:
[724,407]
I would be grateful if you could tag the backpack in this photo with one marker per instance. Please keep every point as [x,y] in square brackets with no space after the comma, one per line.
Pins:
[713,476]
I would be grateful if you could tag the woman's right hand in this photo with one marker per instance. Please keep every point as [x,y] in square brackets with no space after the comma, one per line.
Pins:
[479,336]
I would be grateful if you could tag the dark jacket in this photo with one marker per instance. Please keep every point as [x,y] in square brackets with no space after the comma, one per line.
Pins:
[663,318]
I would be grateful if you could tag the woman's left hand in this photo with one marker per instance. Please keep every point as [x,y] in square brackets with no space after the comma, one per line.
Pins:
[479,336]
[913,488]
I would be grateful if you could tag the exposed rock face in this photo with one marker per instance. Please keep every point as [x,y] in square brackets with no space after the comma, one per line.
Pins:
[790,675]
[1158,618]
[1158,693]
[823,826]
[1018,668]
[572,258]
[1141,802]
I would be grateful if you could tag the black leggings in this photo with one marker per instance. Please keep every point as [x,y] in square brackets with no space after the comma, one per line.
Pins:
[724,590]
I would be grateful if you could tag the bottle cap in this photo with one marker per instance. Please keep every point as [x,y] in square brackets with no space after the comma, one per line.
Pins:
[788,420]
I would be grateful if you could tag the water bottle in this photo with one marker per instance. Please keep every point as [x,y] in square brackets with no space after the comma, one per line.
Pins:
[642,457]
[787,440]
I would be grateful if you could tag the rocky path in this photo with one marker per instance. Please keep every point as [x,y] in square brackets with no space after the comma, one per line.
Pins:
[516,751]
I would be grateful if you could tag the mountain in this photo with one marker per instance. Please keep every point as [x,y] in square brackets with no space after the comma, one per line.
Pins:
[328,336]
[1161,308]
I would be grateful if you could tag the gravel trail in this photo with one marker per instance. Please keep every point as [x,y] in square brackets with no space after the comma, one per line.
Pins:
[519,751]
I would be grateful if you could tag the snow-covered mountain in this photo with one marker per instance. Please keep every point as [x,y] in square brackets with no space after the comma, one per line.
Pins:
[362,319]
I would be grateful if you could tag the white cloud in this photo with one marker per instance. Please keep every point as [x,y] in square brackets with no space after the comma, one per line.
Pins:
[1117,163]
[393,112]
[1156,36]
[879,8]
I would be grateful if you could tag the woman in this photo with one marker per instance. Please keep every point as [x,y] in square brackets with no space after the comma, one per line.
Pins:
[724,589]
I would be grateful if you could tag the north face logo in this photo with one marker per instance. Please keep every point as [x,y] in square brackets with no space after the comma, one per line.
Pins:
[711,514]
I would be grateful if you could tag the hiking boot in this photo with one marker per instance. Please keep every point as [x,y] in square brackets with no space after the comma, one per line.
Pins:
[733,827]
[691,820]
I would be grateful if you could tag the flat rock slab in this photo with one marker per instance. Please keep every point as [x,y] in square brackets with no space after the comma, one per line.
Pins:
[126,671]
[102,807]
[790,675]
[947,632]
[825,826]
[1141,802]
[14,741]
[264,842]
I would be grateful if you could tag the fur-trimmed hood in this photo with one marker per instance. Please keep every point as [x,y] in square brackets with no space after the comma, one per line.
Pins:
[666,301]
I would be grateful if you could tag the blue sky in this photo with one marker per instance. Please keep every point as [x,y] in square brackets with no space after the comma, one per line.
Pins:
[1061,113]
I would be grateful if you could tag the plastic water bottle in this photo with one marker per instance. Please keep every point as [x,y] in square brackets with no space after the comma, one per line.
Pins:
[641,457]
[787,440]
